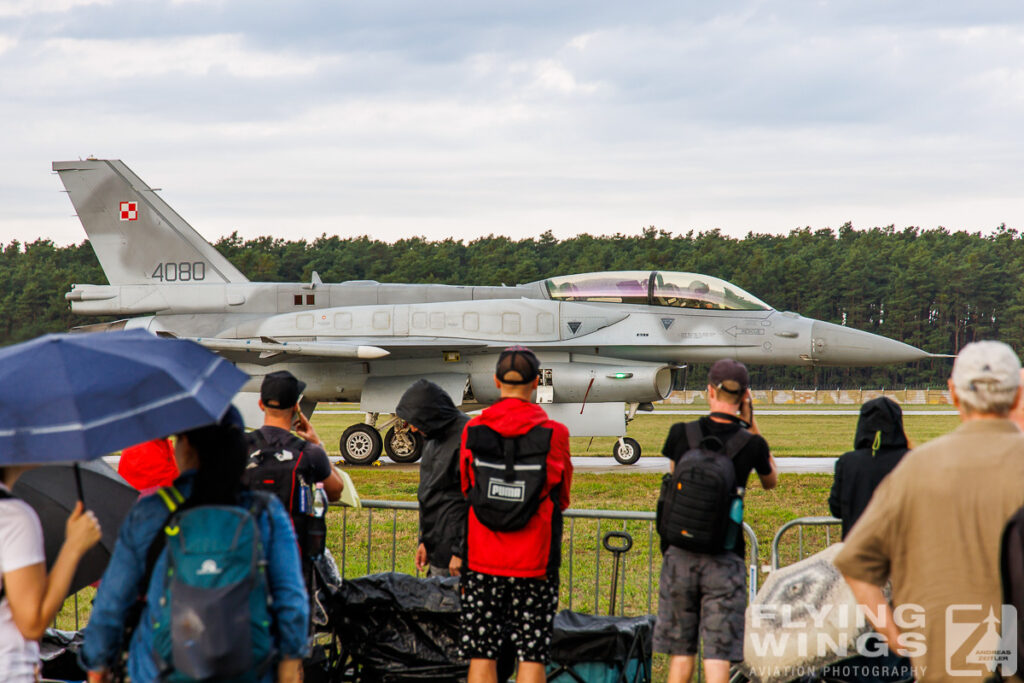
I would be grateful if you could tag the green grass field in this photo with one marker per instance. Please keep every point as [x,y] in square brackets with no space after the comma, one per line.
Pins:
[789,435]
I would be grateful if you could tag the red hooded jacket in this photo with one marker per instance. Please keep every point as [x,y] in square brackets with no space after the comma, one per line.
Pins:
[149,465]
[534,550]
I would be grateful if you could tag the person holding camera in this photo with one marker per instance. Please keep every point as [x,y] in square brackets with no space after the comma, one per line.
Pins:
[702,593]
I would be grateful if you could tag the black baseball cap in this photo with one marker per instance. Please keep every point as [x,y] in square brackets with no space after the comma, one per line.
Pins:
[729,375]
[281,390]
[517,359]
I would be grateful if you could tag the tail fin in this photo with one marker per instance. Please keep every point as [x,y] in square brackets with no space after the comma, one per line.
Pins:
[137,237]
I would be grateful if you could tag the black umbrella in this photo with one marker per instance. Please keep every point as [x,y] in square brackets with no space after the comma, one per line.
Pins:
[52,493]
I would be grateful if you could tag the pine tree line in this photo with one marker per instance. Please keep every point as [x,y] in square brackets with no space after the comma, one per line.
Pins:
[934,289]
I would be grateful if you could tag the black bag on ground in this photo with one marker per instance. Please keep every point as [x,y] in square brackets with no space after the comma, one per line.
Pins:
[693,508]
[509,475]
[396,627]
[58,653]
[591,649]
[1011,563]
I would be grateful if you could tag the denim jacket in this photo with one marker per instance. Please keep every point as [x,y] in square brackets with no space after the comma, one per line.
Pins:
[123,576]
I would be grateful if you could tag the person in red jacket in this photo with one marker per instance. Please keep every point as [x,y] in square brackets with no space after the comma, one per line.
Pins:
[514,539]
[148,466]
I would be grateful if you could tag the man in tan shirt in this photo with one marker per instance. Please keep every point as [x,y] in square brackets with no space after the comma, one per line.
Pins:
[934,527]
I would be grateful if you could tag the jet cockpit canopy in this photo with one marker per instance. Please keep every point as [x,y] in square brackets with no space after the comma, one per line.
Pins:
[654,288]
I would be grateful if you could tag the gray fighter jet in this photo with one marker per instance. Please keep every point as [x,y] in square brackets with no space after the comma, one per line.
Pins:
[610,343]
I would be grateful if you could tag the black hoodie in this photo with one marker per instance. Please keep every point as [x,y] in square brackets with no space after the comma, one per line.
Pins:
[880,444]
[443,509]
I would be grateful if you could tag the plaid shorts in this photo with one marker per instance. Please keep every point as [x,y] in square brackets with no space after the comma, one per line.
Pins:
[498,607]
[701,597]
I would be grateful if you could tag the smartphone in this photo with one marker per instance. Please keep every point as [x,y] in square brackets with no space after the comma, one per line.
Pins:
[747,407]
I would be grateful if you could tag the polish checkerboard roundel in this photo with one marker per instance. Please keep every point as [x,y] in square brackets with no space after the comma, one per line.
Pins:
[129,211]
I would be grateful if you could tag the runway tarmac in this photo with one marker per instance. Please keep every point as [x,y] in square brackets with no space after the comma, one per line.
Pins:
[656,464]
[585,463]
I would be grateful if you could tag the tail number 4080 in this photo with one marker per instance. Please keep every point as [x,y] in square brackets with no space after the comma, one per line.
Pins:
[185,271]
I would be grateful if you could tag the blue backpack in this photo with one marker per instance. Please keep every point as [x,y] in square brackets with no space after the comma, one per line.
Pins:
[212,620]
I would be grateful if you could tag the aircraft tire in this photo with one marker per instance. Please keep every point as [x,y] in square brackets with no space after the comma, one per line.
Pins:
[403,447]
[629,454]
[361,444]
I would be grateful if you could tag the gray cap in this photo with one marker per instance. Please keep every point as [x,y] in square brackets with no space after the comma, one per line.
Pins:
[986,366]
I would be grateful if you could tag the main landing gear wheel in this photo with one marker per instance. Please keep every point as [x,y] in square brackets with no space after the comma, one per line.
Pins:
[626,450]
[403,446]
[361,444]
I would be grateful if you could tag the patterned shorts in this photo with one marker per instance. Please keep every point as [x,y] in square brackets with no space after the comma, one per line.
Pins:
[701,596]
[498,607]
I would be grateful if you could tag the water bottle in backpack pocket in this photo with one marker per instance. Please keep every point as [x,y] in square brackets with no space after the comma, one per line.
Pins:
[735,525]
[212,620]
[316,525]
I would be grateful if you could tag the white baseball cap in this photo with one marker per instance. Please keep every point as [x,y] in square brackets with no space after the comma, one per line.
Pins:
[988,365]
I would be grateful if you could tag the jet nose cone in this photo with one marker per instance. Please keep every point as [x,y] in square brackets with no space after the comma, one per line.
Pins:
[837,345]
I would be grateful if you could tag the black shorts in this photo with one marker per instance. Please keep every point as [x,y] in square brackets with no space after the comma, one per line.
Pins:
[498,607]
[701,597]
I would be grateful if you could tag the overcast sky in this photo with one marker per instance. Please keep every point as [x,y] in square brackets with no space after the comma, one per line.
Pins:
[464,118]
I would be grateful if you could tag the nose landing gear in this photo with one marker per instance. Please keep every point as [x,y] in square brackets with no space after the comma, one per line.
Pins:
[626,450]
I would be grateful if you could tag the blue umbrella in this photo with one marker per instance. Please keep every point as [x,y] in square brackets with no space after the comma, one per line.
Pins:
[71,397]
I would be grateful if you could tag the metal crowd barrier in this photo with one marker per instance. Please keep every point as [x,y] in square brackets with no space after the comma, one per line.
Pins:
[570,562]
[800,523]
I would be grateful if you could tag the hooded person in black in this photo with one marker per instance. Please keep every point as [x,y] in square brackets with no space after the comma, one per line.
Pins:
[443,509]
[880,444]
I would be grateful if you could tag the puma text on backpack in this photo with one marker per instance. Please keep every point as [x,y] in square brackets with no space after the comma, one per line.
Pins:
[277,470]
[696,498]
[509,474]
[212,620]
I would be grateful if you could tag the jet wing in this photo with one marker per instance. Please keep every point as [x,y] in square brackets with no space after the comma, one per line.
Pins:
[268,347]
[368,348]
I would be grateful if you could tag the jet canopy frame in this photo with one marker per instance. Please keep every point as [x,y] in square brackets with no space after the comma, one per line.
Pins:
[654,288]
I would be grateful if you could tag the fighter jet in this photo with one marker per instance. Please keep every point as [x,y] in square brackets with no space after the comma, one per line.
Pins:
[610,343]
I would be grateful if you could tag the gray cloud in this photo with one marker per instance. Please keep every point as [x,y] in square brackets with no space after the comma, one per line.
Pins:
[467,118]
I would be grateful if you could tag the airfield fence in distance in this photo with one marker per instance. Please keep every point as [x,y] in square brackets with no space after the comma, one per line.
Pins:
[818,396]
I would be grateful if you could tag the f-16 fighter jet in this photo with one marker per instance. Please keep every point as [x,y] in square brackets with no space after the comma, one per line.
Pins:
[610,343]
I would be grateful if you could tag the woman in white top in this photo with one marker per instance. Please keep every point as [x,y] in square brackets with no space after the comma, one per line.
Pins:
[31,598]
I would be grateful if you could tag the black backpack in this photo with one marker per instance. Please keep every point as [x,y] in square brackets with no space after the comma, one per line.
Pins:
[509,475]
[1011,563]
[693,509]
[277,470]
